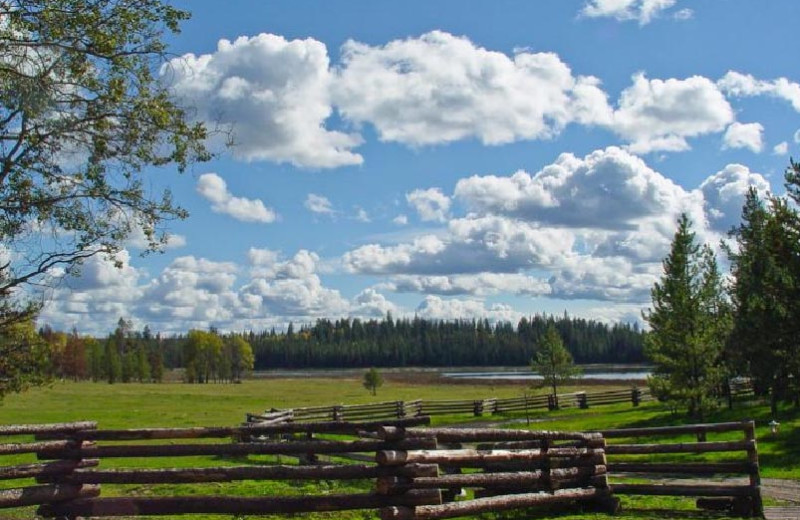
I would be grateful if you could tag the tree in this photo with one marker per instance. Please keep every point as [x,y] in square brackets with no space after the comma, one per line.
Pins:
[687,324]
[553,361]
[24,358]
[373,380]
[765,265]
[83,114]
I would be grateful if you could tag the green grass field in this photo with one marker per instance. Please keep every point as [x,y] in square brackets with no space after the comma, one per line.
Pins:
[176,404]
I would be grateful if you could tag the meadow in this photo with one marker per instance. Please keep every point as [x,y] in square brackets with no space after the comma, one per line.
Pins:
[178,404]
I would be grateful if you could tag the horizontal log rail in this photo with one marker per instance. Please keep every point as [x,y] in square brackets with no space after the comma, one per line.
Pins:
[674,430]
[695,468]
[483,505]
[35,495]
[469,456]
[679,447]
[248,448]
[333,427]
[138,506]
[26,429]
[48,469]
[488,435]
[233,473]
[683,490]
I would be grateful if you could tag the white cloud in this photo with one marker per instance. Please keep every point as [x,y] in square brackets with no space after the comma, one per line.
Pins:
[273,95]
[781,148]
[480,284]
[737,84]
[471,245]
[362,215]
[439,88]
[744,135]
[430,204]
[608,189]
[436,308]
[400,220]
[213,188]
[796,136]
[724,194]
[655,114]
[318,204]
[371,304]
[643,11]
[683,14]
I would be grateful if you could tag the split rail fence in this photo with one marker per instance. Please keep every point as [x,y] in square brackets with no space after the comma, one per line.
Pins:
[416,471]
[476,407]
[640,453]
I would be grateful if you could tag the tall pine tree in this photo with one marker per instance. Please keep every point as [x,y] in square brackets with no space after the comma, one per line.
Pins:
[686,336]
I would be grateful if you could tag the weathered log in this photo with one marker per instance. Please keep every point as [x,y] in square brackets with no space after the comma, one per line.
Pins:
[24,429]
[597,482]
[48,469]
[36,447]
[228,474]
[706,490]
[260,448]
[34,495]
[597,459]
[458,457]
[482,505]
[680,447]
[755,476]
[249,429]
[494,434]
[138,506]
[696,468]
[715,503]
[674,430]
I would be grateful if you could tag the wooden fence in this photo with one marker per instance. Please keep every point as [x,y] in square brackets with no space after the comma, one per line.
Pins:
[476,407]
[637,452]
[562,468]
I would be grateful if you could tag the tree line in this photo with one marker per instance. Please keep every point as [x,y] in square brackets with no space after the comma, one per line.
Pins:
[390,342]
[707,329]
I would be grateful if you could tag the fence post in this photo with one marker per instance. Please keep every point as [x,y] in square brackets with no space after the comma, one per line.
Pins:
[583,401]
[552,402]
[755,475]
[477,408]
[636,396]
[337,412]
[400,406]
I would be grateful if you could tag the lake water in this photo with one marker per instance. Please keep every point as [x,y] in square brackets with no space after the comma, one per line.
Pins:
[590,372]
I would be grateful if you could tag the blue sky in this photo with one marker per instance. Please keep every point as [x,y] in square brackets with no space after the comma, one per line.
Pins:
[452,159]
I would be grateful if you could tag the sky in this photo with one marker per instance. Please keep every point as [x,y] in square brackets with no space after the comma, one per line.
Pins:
[450,159]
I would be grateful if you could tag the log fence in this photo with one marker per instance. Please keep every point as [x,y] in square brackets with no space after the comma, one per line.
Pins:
[637,453]
[475,407]
[418,471]
[407,463]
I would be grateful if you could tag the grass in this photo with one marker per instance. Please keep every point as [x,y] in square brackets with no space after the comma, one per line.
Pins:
[176,404]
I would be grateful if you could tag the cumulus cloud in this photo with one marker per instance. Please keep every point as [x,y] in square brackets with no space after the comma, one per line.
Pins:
[272,94]
[104,290]
[781,148]
[643,11]
[744,135]
[480,284]
[318,204]
[724,192]
[400,220]
[436,308]
[430,204]
[737,84]
[471,245]
[656,114]
[213,188]
[609,189]
[439,88]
